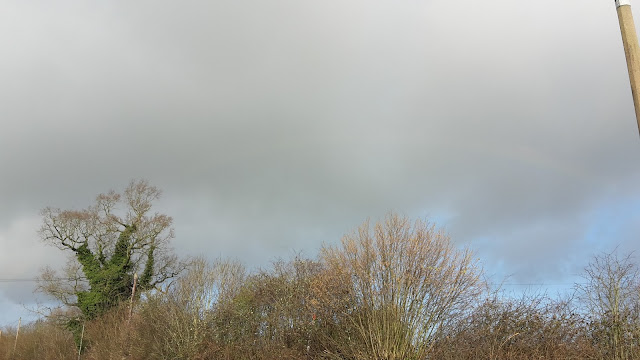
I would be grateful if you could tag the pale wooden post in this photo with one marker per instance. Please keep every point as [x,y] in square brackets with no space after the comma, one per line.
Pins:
[15,344]
[631,51]
[81,338]
[133,293]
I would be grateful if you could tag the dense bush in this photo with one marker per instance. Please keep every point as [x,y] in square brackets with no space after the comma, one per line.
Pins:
[531,327]
[39,340]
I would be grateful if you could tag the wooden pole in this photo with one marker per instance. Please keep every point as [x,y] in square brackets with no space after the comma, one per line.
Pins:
[631,51]
[133,293]
[81,338]
[15,344]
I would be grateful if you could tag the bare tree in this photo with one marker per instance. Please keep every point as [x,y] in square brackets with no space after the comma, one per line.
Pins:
[181,319]
[611,297]
[406,281]
[109,242]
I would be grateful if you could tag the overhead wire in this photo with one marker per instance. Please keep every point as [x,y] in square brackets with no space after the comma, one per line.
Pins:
[15,280]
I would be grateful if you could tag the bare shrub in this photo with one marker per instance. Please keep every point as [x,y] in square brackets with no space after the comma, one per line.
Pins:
[283,298]
[272,316]
[178,322]
[111,336]
[406,282]
[38,340]
[611,298]
[530,327]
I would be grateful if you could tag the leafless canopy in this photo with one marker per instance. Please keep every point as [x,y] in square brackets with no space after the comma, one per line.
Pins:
[407,281]
[98,228]
[611,299]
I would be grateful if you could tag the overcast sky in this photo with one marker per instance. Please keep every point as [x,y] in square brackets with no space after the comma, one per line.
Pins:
[278,125]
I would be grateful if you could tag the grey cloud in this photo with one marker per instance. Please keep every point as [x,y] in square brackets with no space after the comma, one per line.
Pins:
[278,125]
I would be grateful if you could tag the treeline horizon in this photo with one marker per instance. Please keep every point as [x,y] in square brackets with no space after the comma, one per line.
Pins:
[304,308]
[396,289]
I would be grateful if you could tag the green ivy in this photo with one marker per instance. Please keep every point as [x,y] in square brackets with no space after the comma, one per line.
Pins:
[110,280]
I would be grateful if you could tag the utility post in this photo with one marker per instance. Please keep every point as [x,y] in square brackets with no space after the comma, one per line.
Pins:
[133,294]
[631,51]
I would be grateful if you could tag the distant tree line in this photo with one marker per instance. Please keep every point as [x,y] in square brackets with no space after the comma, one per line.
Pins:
[393,290]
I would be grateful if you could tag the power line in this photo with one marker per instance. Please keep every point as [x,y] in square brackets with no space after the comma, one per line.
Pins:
[533,284]
[14,280]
